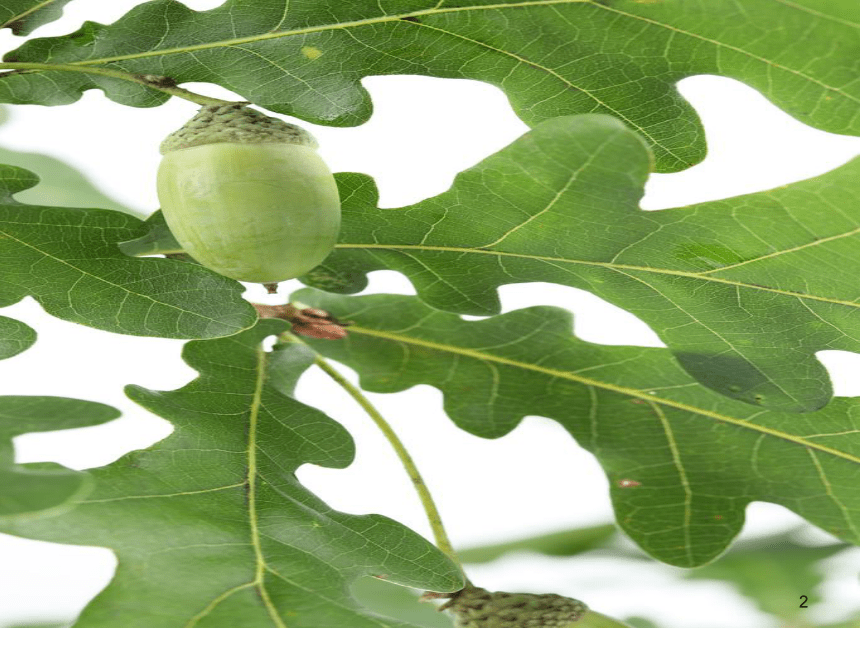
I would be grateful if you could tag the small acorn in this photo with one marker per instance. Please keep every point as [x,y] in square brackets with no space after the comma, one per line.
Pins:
[247,196]
[477,607]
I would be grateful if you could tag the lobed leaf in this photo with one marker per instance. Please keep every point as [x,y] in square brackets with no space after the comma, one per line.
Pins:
[211,526]
[28,490]
[743,290]
[682,462]
[34,488]
[23,16]
[68,260]
[552,57]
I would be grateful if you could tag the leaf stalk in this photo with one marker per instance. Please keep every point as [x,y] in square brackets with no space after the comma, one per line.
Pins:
[430,508]
[160,83]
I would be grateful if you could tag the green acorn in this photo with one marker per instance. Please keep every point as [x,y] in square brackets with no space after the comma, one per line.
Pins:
[477,607]
[247,195]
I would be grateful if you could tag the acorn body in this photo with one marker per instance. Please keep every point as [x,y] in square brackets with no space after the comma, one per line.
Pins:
[248,196]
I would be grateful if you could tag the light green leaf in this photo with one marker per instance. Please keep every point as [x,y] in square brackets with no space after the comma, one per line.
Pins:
[211,526]
[743,290]
[393,600]
[29,489]
[69,261]
[155,238]
[60,185]
[774,571]
[560,543]
[682,462]
[552,57]
[23,16]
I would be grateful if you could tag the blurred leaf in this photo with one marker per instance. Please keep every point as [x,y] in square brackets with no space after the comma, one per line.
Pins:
[774,572]
[562,543]
[639,621]
[27,489]
[23,16]
[60,184]
[593,619]
[68,260]
[552,57]
[682,462]
[744,290]
[398,602]
[853,621]
[211,526]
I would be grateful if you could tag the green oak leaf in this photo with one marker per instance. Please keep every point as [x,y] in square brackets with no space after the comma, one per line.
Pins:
[27,489]
[23,16]
[743,290]
[211,526]
[15,337]
[30,489]
[682,462]
[774,572]
[68,260]
[552,57]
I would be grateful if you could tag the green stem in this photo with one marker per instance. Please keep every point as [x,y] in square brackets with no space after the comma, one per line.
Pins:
[159,83]
[427,502]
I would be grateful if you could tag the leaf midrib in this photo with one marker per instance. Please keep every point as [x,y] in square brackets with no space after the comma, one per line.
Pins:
[604,265]
[611,387]
[253,422]
[441,10]
[24,14]
[98,278]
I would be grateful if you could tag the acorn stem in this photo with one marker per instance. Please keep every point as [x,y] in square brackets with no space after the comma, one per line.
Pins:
[160,83]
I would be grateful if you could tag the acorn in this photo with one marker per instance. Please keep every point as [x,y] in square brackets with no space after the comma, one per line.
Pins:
[477,607]
[247,195]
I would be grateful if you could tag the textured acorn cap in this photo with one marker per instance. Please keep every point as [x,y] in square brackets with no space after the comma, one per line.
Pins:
[477,607]
[234,123]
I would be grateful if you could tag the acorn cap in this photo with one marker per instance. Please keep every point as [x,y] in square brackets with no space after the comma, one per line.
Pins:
[235,123]
[477,607]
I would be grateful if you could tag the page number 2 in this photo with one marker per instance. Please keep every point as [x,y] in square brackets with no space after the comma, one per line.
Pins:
[803,604]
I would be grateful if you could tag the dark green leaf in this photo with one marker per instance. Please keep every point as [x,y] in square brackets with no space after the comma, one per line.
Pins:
[682,462]
[23,16]
[15,337]
[29,489]
[552,57]
[68,260]
[743,290]
[774,572]
[561,543]
[211,526]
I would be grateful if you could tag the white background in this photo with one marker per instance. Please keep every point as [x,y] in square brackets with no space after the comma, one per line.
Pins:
[487,490]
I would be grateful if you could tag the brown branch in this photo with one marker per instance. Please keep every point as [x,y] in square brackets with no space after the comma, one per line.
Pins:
[311,322]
